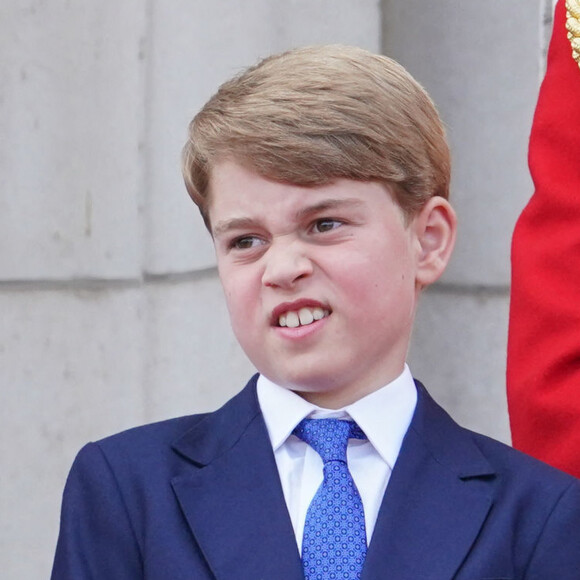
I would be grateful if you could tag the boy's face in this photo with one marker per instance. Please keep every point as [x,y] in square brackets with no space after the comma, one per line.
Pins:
[320,282]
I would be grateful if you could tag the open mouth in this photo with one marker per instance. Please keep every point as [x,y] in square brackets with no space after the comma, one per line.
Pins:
[302,317]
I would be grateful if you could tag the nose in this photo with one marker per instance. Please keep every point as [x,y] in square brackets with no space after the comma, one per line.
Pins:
[286,264]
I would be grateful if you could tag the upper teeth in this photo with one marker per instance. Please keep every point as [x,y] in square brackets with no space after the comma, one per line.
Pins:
[302,317]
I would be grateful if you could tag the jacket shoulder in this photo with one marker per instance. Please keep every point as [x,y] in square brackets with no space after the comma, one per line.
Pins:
[529,479]
[160,432]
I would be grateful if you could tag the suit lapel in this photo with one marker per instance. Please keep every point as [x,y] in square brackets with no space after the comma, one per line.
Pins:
[436,502]
[232,497]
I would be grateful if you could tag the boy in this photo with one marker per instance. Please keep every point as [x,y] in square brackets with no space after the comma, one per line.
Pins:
[322,175]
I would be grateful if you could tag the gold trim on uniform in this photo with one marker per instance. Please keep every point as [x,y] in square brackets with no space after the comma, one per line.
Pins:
[573,27]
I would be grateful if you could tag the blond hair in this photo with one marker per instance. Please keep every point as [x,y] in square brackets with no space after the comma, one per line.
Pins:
[314,114]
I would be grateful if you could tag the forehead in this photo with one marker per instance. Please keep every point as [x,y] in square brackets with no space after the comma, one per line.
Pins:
[240,196]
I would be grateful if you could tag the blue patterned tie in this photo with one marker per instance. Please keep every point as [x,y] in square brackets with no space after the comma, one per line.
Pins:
[334,545]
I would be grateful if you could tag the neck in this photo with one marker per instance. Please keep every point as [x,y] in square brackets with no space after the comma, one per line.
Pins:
[335,397]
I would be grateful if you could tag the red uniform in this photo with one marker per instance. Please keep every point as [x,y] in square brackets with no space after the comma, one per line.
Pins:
[543,374]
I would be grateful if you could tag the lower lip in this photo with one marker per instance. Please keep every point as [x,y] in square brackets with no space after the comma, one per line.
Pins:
[301,332]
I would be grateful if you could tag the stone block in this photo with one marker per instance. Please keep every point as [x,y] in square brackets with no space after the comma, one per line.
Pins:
[481,65]
[71,120]
[71,371]
[458,350]
[303,22]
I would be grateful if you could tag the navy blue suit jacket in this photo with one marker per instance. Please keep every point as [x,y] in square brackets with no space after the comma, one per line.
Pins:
[200,498]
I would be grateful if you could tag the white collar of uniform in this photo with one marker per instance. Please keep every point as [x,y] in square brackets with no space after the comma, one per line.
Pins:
[383,415]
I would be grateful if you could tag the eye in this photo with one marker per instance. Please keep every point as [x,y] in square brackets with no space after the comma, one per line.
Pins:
[245,243]
[325,225]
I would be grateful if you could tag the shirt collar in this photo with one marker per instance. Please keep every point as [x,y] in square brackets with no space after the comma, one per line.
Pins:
[383,415]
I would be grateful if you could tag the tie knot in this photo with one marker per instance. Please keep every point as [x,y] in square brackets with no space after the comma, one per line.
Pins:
[328,437]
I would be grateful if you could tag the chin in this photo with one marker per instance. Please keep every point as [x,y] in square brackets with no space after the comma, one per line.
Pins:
[310,384]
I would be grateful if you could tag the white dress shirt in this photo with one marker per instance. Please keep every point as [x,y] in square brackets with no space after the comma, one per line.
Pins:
[384,416]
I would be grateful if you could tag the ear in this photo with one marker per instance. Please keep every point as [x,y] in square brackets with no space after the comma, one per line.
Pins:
[435,228]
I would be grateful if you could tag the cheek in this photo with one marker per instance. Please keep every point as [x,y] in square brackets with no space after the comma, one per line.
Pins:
[240,295]
[228,284]
[238,314]
[374,290]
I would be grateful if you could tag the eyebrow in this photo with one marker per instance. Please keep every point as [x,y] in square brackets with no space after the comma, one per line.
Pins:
[225,226]
[233,224]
